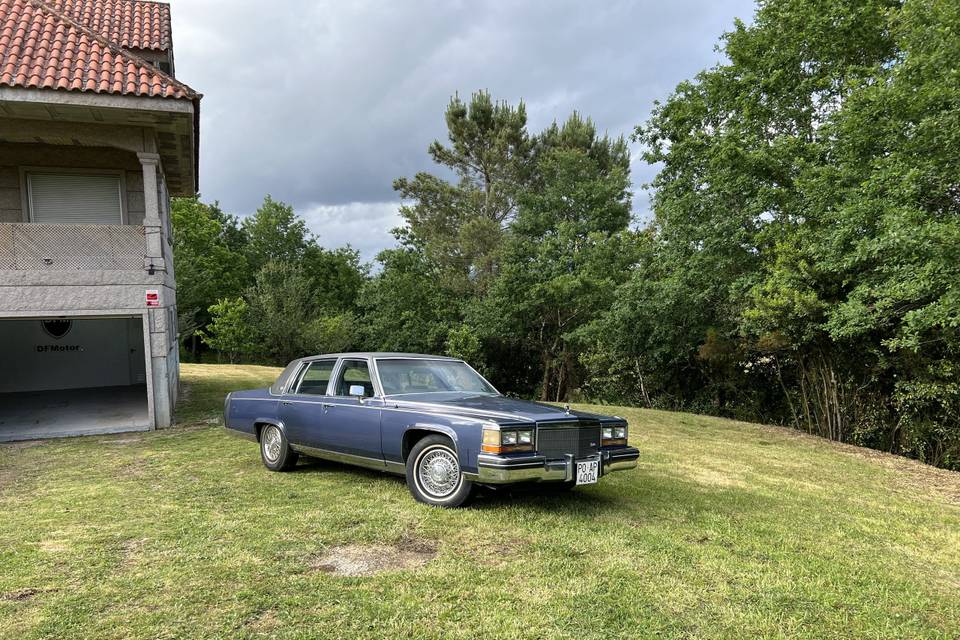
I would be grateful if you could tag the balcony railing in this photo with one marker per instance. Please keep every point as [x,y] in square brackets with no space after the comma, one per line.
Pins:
[71,247]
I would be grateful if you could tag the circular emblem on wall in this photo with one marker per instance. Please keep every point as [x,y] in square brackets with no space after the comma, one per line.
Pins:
[56,329]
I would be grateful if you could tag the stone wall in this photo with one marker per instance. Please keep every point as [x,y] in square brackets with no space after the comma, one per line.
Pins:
[15,156]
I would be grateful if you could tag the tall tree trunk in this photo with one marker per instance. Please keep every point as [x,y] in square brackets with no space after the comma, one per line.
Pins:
[545,384]
[793,410]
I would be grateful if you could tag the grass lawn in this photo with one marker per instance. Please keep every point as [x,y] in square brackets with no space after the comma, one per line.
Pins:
[725,529]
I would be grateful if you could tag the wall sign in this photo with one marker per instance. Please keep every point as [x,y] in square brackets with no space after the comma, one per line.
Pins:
[56,329]
[153,298]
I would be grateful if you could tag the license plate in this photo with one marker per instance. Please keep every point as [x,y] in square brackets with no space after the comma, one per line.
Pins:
[588,471]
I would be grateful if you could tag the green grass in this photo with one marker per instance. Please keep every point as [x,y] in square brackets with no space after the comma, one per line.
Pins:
[725,529]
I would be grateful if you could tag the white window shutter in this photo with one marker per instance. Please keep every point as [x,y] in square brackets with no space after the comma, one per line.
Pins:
[74,198]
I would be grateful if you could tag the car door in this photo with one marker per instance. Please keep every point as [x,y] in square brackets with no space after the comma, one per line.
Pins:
[304,409]
[354,421]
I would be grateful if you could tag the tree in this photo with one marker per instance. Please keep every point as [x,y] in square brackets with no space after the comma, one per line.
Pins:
[229,329]
[337,277]
[459,226]
[208,261]
[281,307]
[275,234]
[566,252]
[331,334]
[801,263]
[403,309]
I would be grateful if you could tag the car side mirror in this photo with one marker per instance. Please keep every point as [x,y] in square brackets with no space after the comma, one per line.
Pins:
[357,390]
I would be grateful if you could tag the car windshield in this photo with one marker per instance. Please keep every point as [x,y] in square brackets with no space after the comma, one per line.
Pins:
[400,376]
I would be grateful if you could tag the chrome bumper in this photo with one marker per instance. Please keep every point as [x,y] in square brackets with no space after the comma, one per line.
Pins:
[493,469]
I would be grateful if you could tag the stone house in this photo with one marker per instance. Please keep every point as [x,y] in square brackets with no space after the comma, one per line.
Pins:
[96,134]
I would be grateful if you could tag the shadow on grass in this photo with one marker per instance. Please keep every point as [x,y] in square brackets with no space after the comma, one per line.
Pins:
[635,497]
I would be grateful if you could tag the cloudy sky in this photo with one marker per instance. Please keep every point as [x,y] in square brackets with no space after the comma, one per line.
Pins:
[323,103]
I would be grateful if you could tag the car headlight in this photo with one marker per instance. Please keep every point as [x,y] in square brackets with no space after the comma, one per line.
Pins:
[497,440]
[614,435]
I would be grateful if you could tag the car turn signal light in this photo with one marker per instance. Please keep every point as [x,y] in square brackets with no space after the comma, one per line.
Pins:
[507,440]
[614,435]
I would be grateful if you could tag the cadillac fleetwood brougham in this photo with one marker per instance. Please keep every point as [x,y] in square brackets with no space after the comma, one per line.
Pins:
[431,418]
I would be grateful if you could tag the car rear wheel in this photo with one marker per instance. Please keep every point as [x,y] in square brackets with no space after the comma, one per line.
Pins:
[275,451]
[434,476]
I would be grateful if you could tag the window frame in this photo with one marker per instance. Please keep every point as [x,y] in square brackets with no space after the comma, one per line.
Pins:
[335,380]
[383,394]
[295,389]
[26,189]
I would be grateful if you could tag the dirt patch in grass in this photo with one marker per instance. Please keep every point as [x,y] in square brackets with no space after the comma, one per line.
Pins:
[492,553]
[264,622]
[356,560]
[53,546]
[132,440]
[22,594]
[130,550]
[27,444]
[132,470]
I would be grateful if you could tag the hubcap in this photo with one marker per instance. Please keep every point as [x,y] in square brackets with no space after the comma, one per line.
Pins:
[438,472]
[271,444]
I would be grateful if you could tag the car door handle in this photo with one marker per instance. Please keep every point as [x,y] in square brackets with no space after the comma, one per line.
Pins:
[286,402]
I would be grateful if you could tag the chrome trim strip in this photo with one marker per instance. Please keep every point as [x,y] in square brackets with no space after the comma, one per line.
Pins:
[396,467]
[348,458]
[453,416]
[497,470]
[620,465]
[525,465]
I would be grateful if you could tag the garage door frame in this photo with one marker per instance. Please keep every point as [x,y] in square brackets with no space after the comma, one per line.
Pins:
[144,316]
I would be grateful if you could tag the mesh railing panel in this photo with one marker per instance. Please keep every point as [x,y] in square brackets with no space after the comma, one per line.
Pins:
[69,247]
[6,246]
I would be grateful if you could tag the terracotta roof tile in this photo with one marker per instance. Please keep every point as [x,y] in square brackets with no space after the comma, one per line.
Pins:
[131,24]
[40,48]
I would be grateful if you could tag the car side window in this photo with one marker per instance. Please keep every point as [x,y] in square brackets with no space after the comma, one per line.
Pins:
[354,373]
[315,379]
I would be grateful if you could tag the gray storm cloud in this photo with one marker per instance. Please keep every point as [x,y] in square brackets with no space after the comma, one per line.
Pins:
[323,104]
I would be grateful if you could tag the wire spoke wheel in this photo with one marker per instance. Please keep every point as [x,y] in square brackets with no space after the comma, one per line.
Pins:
[438,472]
[272,443]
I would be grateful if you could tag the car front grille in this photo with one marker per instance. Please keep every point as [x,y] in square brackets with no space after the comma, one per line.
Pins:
[557,440]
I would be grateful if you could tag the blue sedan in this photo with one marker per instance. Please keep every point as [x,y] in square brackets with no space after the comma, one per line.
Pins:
[432,419]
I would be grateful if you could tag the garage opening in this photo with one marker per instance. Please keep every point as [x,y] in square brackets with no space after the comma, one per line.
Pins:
[71,376]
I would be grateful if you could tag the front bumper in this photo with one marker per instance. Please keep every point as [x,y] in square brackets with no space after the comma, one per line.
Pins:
[493,469]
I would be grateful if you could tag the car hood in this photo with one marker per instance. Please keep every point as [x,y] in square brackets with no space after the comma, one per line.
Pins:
[499,408]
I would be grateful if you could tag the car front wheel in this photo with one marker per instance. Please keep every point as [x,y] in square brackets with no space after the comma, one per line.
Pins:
[275,450]
[434,476]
